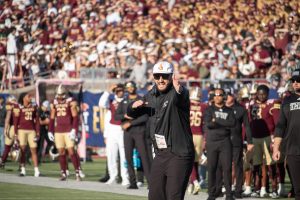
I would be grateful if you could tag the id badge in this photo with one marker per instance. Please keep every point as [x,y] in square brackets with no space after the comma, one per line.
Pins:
[160,141]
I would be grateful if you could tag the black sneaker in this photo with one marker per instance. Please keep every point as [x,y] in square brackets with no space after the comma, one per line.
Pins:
[238,195]
[219,194]
[132,186]
[211,198]
[104,179]
[230,197]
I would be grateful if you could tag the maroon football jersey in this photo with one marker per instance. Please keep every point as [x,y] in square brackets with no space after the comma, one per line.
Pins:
[197,110]
[28,118]
[263,117]
[13,107]
[63,115]
[113,107]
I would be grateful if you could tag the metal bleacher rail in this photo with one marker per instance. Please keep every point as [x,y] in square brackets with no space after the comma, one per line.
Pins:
[26,81]
[97,79]
[96,76]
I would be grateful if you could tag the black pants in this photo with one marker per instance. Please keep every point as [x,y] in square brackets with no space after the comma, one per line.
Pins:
[169,176]
[237,159]
[294,165]
[219,152]
[43,137]
[132,140]
[149,150]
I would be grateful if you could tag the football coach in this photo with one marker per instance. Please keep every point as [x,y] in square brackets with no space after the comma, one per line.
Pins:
[168,107]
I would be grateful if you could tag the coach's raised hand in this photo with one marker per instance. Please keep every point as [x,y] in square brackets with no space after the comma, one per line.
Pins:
[176,83]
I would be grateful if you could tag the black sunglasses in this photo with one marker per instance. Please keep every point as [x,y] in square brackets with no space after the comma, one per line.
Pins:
[164,76]
[295,79]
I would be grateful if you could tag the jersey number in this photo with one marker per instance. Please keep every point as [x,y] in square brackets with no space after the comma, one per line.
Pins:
[195,118]
[61,112]
[28,115]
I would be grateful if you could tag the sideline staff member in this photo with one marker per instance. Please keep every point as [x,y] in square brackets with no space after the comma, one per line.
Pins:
[287,131]
[218,120]
[168,107]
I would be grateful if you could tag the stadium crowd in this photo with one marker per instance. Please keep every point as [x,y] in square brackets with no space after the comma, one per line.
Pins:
[203,39]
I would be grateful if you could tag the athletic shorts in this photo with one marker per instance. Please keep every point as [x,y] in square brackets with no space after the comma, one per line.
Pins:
[62,140]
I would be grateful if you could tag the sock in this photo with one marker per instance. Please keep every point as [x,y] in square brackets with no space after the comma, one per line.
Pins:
[78,160]
[36,169]
[5,153]
[63,163]
[23,170]
[75,163]
[23,158]
[281,172]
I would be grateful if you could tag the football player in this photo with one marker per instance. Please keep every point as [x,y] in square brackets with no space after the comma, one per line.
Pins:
[63,129]
[245,98]
[9,132]
[264,115]
[196,122]
[27,129]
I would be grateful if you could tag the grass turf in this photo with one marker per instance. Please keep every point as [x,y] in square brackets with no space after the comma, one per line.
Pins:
[93,170]
[18,191]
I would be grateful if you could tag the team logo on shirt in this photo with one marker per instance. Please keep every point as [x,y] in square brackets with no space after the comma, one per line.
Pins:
[221,115]
[295,106]
[165,104]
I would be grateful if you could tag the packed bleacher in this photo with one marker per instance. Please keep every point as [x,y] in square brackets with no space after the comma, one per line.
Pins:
[203,39]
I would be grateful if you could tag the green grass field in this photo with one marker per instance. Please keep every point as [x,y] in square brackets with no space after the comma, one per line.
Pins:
[24,192]
[93,171]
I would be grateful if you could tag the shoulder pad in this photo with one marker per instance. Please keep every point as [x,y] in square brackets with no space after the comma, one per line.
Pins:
[276,106]
[55,101]
[8,106]
[16,111]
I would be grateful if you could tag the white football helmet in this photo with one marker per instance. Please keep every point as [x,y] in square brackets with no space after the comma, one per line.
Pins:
[253,88]
[195,93]
[61,92]
[15,152]
[11,98]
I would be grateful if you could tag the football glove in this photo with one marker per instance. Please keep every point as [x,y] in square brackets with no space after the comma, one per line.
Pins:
[72,134]
[51,136]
